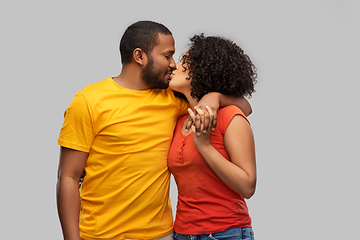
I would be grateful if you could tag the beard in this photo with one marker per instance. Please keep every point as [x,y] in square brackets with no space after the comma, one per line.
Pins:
[154,79]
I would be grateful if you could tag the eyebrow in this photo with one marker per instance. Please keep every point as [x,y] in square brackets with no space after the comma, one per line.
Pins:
[168,51]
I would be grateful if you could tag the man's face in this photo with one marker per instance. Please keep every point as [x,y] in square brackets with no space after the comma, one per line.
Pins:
[157,72]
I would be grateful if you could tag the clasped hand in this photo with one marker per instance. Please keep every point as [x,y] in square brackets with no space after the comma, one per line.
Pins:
[200,125]
[201,121]
[204,115]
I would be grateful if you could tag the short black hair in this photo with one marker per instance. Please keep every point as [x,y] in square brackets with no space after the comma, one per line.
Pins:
[143,35]
[217,64]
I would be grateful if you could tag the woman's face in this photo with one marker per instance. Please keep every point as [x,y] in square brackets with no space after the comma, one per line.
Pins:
[179,81]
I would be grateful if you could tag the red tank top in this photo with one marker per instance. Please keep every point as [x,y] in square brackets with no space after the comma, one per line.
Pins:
[205,204]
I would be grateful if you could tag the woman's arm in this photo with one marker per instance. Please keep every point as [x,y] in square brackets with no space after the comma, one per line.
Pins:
[240,173]
[240,102]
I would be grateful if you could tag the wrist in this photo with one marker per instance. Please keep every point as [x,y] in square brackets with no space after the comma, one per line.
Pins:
[204,147]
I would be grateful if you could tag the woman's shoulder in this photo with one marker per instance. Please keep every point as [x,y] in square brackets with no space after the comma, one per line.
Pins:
[230,110]
[226,114]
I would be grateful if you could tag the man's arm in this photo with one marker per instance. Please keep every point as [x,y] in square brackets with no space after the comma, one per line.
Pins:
[71,167]
[215,100]
[240,102]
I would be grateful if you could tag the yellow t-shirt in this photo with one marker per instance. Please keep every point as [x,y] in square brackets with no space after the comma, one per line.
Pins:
[127,133]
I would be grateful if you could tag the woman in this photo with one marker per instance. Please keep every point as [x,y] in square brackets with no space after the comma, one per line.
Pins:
[216,170]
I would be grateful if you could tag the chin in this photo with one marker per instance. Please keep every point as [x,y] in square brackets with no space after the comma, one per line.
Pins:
[172,87]
[163,85]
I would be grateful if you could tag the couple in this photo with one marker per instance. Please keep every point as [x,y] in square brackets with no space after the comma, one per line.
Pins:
[120,131]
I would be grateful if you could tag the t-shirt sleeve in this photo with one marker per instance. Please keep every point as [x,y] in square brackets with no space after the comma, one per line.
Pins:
[77,131]
[226,114]
[183,105]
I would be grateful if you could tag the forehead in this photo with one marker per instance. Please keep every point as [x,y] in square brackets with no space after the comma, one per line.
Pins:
[165,43]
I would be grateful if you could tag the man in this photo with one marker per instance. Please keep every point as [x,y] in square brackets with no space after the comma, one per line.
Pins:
[119,131]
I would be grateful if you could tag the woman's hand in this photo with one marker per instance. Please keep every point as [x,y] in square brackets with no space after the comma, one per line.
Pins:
[215,100]
[239,173]
[203,118]
[201,137]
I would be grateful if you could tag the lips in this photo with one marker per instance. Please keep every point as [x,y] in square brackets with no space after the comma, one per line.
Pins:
[169,74]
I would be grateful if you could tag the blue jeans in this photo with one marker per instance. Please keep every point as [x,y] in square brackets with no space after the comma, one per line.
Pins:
[231,233]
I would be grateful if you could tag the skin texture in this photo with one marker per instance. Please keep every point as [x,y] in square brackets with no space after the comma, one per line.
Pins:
[240,173]
[227,79]
[150,71]
[71,167]
[72,163]
[143,71]
[217,64]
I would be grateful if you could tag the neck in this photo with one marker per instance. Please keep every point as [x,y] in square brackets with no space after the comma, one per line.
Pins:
[130,77]
[192,101]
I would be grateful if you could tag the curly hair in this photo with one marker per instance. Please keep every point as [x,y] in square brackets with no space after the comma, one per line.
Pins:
[217,64]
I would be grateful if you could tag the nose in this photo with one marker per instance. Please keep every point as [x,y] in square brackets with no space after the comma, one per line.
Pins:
[172,63]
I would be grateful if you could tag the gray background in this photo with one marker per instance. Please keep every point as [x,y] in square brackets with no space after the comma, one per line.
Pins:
[305,118]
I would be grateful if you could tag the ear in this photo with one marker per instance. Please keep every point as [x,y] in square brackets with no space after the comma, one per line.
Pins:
[140,56]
